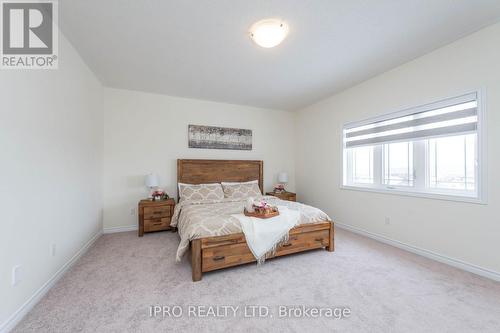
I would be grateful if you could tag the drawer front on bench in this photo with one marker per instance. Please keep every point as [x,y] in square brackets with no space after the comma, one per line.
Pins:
[156,224]
[304,241]
[225,256]
[217,257]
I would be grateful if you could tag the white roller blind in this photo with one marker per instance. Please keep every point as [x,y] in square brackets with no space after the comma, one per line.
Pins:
[451,117]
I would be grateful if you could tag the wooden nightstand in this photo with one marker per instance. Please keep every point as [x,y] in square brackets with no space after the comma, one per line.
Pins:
[290,196]
[155,215]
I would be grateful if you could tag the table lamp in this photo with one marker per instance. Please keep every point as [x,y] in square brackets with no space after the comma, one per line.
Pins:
[282,180]
[152,182]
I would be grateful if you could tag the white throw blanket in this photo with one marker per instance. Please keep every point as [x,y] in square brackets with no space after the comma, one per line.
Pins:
[263,236]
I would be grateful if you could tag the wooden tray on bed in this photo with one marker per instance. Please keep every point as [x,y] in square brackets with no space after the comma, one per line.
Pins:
[262,215]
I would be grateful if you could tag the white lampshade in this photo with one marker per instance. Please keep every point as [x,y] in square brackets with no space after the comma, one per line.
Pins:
[152,180]
[283,177]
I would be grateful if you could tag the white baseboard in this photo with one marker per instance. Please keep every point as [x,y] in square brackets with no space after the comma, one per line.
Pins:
[425,253]
[125,228]
[15,318]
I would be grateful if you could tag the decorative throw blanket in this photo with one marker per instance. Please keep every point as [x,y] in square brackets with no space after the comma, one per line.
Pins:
[263,236]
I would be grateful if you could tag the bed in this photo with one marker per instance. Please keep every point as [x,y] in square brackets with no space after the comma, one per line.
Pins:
[217,245]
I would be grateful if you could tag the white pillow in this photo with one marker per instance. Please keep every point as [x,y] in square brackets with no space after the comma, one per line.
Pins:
[200,191]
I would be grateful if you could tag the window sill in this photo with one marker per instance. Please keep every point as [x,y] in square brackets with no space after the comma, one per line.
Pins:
[427,195]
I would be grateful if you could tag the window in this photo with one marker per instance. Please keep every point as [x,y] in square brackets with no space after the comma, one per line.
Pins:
[432,150]
[362,165]
[398,164]
[452,162]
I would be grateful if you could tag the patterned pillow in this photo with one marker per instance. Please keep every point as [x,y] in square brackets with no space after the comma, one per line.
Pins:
[241,190]
[200,191]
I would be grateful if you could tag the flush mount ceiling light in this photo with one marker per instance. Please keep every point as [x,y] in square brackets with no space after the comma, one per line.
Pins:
[268,33]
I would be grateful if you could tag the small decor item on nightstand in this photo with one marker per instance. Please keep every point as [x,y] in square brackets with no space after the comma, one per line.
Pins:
[151,181]
[279,188]
[159,194]
[282,180]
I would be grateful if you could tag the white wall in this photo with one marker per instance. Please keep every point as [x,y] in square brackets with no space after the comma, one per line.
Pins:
[146,133]
[52,167]
[467,232]
[50,171]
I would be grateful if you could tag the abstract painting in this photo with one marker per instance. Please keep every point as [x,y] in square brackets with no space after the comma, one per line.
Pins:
[211,137]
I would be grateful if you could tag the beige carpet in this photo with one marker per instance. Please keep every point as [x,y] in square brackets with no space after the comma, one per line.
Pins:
[387,290]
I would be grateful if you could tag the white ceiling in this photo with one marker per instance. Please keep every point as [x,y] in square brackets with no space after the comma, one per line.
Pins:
[200,49]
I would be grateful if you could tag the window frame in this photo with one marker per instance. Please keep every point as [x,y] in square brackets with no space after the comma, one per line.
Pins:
[420,189]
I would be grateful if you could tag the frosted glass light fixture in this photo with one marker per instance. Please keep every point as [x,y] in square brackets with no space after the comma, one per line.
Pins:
[269,32]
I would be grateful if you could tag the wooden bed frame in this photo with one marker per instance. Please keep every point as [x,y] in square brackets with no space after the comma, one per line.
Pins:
[212,253]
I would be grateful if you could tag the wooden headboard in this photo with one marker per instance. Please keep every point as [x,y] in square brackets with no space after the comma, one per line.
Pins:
[216,171]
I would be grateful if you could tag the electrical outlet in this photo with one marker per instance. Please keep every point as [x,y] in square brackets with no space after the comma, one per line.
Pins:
[16,275]
[53,250]
[387,221]
[132,211]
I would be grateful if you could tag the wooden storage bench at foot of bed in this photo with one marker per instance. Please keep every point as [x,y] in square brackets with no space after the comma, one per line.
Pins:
[212,253]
